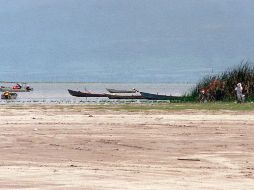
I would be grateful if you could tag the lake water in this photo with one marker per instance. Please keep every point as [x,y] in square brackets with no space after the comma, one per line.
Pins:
[57,92]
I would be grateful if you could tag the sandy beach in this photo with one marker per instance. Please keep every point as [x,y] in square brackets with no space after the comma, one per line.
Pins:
[82,147]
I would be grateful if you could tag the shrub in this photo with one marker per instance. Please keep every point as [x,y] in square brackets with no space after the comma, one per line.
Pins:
[225,90]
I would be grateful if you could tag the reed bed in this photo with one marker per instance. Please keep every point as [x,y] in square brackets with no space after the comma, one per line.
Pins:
[225,83]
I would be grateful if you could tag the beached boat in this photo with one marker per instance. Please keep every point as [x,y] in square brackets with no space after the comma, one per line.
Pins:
[8,95]
[85,94]
[113,96]
[150,96]
[121,91]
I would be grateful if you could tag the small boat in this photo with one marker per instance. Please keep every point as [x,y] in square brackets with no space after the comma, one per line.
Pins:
[16,88]
[150,96]
[3,89]
[113,96]
[85,94]
[121,91]
[8,95]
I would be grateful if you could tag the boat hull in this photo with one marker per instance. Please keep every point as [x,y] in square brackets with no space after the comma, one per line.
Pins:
[125,97]
[120,91]
[150,96]
[85,94]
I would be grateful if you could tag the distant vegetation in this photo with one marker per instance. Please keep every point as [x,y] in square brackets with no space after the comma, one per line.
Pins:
[222,86]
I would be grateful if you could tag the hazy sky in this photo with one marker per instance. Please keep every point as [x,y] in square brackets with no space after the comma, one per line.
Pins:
[123,40]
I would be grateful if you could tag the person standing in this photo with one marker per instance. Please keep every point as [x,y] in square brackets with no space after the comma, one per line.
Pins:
[239,93]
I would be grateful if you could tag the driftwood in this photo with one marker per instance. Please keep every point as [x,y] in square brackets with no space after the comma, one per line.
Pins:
[188,159]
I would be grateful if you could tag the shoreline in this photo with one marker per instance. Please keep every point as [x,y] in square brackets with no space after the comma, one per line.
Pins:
[141,106]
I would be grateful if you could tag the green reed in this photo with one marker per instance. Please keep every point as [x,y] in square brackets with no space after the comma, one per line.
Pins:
[243,73]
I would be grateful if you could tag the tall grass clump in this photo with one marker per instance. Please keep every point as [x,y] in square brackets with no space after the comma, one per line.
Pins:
[222,86]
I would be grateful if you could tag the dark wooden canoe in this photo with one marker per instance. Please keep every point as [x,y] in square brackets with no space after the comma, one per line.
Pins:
[150,96]
[111,96]
[85,94]
[121,91]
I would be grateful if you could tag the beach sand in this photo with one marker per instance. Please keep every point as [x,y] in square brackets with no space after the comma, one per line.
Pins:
[81,147]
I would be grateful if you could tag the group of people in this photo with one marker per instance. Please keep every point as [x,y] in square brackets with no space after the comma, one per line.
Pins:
[19,86]
[213,91]
[9,92]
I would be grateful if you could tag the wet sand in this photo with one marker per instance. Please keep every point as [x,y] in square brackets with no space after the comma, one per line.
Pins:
[79,147]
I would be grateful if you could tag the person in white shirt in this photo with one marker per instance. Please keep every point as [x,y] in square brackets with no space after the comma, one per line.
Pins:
[239,93]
